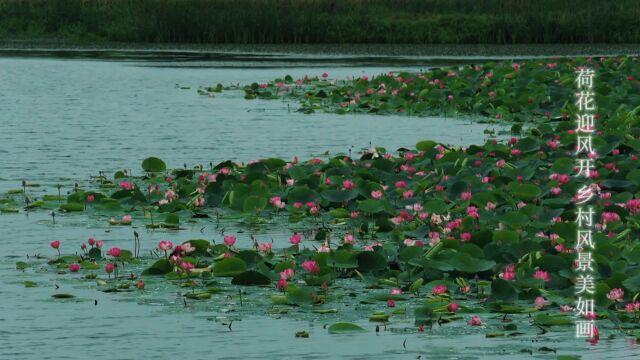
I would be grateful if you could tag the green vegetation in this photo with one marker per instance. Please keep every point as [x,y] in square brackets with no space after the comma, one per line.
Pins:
[324,21]
[526,91]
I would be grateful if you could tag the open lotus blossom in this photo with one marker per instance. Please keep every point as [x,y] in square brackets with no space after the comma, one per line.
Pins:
[566,308]
[632,307]
[439,289]
[127,185]
[616,294]
[295,239]
[311,266]
[165,245]
[542,275]
[541,302]
[229,240]
[276,201]
[475,321]
[187,266]
[349,239]
[395,291]
[610,217]
[324,248]
[264,247]
[376,194]
[287,273]
[348,184]
[509,273]
[126,219]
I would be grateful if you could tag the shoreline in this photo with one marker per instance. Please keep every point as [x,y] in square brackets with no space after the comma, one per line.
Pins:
[311,51]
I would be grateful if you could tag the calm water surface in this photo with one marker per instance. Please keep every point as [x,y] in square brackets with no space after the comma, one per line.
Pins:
[62,120]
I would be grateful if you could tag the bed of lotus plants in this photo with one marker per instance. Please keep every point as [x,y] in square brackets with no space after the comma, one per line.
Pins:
[535,90]
[433,233]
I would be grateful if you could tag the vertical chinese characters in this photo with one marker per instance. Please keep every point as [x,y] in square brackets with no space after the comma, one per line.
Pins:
[585,165]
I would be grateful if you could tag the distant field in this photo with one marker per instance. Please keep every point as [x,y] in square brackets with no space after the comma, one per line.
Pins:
[324,21]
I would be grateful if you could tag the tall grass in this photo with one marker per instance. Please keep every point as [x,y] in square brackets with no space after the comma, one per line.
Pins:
[325,21]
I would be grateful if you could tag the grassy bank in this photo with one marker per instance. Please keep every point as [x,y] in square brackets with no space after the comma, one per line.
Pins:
[324,21]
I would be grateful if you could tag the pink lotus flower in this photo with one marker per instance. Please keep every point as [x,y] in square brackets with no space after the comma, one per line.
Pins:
[170,195]
[465,236]
[348,184]
[391,303]
[610,217]
[489,206]
[199,201]
[453,307]
[542,275]
[74,267]
[349,239]
[325,75]
[91,241]
[630,307]
[311,266]
[165,245]
[126,219]
[407,194]
[229,240]
[127,185]
[114,251]
[187,266]
[500,163]
[324,248]
[475,321]
[439,289]
[556,190]
[376,194]
[541,302]
[109,267]
[295,239]
[616,294]
[90,198]
[566,308]
[401,184]
[264,247]
[140,285]
[354,215]
[55,244]
[276,201]
[287,273]
[99,244]
[282,284]
[395,291]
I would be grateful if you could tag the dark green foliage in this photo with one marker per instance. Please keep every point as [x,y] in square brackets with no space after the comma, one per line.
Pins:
[325,21]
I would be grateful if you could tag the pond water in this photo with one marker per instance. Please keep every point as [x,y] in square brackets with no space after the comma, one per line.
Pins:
[63,119]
